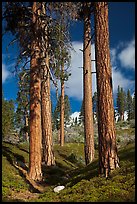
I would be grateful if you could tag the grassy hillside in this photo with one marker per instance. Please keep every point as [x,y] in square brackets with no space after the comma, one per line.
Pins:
[81,182]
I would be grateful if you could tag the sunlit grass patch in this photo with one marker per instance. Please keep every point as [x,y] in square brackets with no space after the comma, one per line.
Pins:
[81,182]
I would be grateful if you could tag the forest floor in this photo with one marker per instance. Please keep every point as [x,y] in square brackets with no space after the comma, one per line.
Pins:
[81,182]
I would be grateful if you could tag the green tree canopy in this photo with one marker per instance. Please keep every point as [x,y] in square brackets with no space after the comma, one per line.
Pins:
[130,105]
[121,102]
[7,116]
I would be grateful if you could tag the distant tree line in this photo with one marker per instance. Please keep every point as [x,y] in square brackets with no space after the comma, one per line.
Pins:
[7,117]
[18,119]
[125,102]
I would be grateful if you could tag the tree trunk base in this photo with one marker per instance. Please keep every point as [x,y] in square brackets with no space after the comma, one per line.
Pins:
[34,185]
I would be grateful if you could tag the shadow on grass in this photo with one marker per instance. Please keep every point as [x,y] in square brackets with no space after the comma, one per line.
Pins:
[53,175]
[12,200]
[90,171]
[22,149]
[12,158]
[127,154]
[61,172]
[86,173]
[71,160]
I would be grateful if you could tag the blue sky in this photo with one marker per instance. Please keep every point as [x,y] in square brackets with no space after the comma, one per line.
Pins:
[122,49]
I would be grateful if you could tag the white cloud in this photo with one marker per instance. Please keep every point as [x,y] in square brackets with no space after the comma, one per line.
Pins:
[5,73]
[118,79]
[127,55]
[75,82]
[127,59]
[7,68]
[113,55]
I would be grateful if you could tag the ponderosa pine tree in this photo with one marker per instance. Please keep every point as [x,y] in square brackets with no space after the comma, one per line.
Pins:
[87,86]
[108,157]
[35,171]
[63,78]
[63,61]
[95,108]
[22,21]
[26,35]
[62,104]
[47,143]
[62,109]
[57,115]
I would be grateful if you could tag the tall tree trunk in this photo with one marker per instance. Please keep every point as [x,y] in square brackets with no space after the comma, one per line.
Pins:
[122,116]
[62,110]
[87,82]
[108,158]
[48,155]
[35,172]
[47,144]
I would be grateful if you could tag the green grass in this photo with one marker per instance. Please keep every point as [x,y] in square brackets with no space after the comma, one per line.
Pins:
[123,132]
[12,181]
[81,182]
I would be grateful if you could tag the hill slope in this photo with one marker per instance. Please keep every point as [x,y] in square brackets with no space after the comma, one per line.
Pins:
[81,182]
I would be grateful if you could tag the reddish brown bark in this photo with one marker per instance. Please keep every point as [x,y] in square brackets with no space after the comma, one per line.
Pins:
[87,85]
[48,155]
[47,144]
[62,111]
[35,172]
[108,158]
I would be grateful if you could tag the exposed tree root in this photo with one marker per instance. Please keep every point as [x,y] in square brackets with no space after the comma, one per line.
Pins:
[35,186]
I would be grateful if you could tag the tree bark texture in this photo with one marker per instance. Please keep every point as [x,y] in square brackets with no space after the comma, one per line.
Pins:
[47,144]
[35,172]
[62,110]
[48,155]
[87,86]
[108,158]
